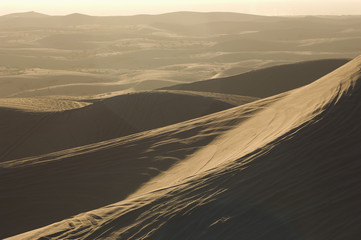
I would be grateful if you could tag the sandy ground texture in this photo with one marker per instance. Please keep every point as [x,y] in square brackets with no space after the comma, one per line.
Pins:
[287,164]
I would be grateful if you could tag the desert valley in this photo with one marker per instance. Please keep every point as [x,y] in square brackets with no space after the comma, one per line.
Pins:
[183,125]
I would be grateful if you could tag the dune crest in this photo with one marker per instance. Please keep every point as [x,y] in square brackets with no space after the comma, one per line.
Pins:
[268,81]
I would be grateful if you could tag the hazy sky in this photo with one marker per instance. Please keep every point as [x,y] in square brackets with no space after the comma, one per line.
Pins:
[130,7]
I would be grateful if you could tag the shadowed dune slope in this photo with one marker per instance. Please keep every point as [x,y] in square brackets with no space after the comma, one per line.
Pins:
[268,81]
[291,170]
[25,134]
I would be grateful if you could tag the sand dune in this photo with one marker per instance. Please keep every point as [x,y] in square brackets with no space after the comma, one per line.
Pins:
[268,81]
[288,163]
[44,129]
[84,156]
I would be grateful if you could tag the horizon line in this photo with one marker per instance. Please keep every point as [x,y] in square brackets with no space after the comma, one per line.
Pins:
[173,12]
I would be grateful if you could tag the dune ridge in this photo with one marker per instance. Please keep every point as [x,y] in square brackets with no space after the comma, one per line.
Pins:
[105,119]
[269,81]
[284,168]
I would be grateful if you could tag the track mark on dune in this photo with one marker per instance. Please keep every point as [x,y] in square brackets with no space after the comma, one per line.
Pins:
[211,150]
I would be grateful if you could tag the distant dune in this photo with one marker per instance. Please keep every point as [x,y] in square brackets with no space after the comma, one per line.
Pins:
[43,129]
[39,82]
[186,17]
[147,52]
[287,164]
[26,15]
[268,81]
